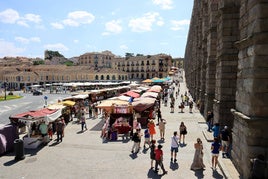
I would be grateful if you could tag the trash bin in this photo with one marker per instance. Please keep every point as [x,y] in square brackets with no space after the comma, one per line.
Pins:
[19,149]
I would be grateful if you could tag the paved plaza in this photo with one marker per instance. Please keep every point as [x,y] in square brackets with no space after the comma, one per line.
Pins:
[85,155]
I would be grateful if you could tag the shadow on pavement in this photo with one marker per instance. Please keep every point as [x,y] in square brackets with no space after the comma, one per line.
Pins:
[153,175]
[199,173]
[173,166]
[215,174]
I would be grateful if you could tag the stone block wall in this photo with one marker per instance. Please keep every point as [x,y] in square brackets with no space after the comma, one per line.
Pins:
[231,53]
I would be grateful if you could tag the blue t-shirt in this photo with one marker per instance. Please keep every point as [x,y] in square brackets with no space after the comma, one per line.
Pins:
[146,133]
[216,131]
[216,147]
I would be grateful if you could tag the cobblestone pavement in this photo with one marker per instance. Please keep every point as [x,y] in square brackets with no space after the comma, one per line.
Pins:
[85,155]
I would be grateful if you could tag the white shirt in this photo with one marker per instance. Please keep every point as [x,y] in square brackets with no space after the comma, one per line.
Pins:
[173,141]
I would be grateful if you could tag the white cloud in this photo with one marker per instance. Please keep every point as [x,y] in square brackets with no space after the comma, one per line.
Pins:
[22,23]
[179,25]
[35,39]
[32,18]
[164,4]
[113,26]
[57,47]
[144,23]
[123,47]
[27,40]
[77,18]
[76,41]
[9,49]
[9,16]
[22,40]
[105,33]
[57,25]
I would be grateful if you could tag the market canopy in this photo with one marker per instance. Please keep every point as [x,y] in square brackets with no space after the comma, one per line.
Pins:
[141,104]
[147,81]
[107,104]
[68,103]
[160,80]
[131,94]
[155,88]
[49,115]
[150,94]
[122,98]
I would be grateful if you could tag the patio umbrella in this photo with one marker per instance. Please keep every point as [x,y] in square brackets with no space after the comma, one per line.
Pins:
[158,80]
[147,81]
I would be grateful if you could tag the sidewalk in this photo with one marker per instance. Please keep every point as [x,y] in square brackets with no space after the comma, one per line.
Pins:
[84,155]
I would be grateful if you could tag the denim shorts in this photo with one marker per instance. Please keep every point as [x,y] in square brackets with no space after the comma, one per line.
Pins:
[174,149]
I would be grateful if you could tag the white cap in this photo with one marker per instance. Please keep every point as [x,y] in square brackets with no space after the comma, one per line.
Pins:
[225,127]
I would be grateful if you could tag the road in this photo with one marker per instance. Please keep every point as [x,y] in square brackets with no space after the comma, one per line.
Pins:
[26,103]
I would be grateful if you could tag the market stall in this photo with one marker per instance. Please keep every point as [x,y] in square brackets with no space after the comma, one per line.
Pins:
[142,107]
[121,121]
[32,119]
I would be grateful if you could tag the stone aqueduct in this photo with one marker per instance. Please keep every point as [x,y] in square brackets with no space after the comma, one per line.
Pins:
[226,68]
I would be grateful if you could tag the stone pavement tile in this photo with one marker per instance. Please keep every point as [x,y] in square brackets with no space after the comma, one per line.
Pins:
[85,155]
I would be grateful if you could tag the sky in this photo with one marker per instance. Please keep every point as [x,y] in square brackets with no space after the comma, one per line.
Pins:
[75,27]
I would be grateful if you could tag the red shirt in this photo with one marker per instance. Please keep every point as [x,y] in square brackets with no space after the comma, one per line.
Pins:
[158,154]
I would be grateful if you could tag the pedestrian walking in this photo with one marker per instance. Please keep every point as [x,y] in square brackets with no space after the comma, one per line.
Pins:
[59,130]
[215,150]
[152,154]
[225,141]
[210,120]
[191,105]
[136,145]
[146,138]
[181,107]
[198,156]
[216,130]
[43,128]
[151,127]
[174,147]
[183,132]
[159,159]
[83,122]
[159,115]
[162,128]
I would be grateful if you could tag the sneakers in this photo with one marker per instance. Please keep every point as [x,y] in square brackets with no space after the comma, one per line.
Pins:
[175,160]
[171,160]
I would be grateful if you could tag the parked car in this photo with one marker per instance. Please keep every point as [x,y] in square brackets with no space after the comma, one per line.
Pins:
[37,93]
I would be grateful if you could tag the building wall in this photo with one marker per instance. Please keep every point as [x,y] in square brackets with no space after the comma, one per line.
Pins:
[233,53]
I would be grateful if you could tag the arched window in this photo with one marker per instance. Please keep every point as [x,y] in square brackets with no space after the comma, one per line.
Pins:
[119,77]
[113,77]
[102,77]
[107,77]
[96,77]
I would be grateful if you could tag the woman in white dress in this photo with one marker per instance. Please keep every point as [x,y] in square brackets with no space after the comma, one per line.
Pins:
[198,156]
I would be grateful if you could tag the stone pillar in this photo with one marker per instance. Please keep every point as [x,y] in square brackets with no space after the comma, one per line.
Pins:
[251,110]
[211,56]
[226,63]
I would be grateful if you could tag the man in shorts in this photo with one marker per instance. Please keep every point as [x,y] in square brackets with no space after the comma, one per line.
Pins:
[174,147]
[225,141]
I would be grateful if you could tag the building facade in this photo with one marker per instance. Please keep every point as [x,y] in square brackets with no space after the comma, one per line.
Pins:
[144,67]
[226,68]
[104,66]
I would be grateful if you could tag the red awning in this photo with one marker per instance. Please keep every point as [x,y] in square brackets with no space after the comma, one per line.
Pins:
[131,94]
[35,114]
